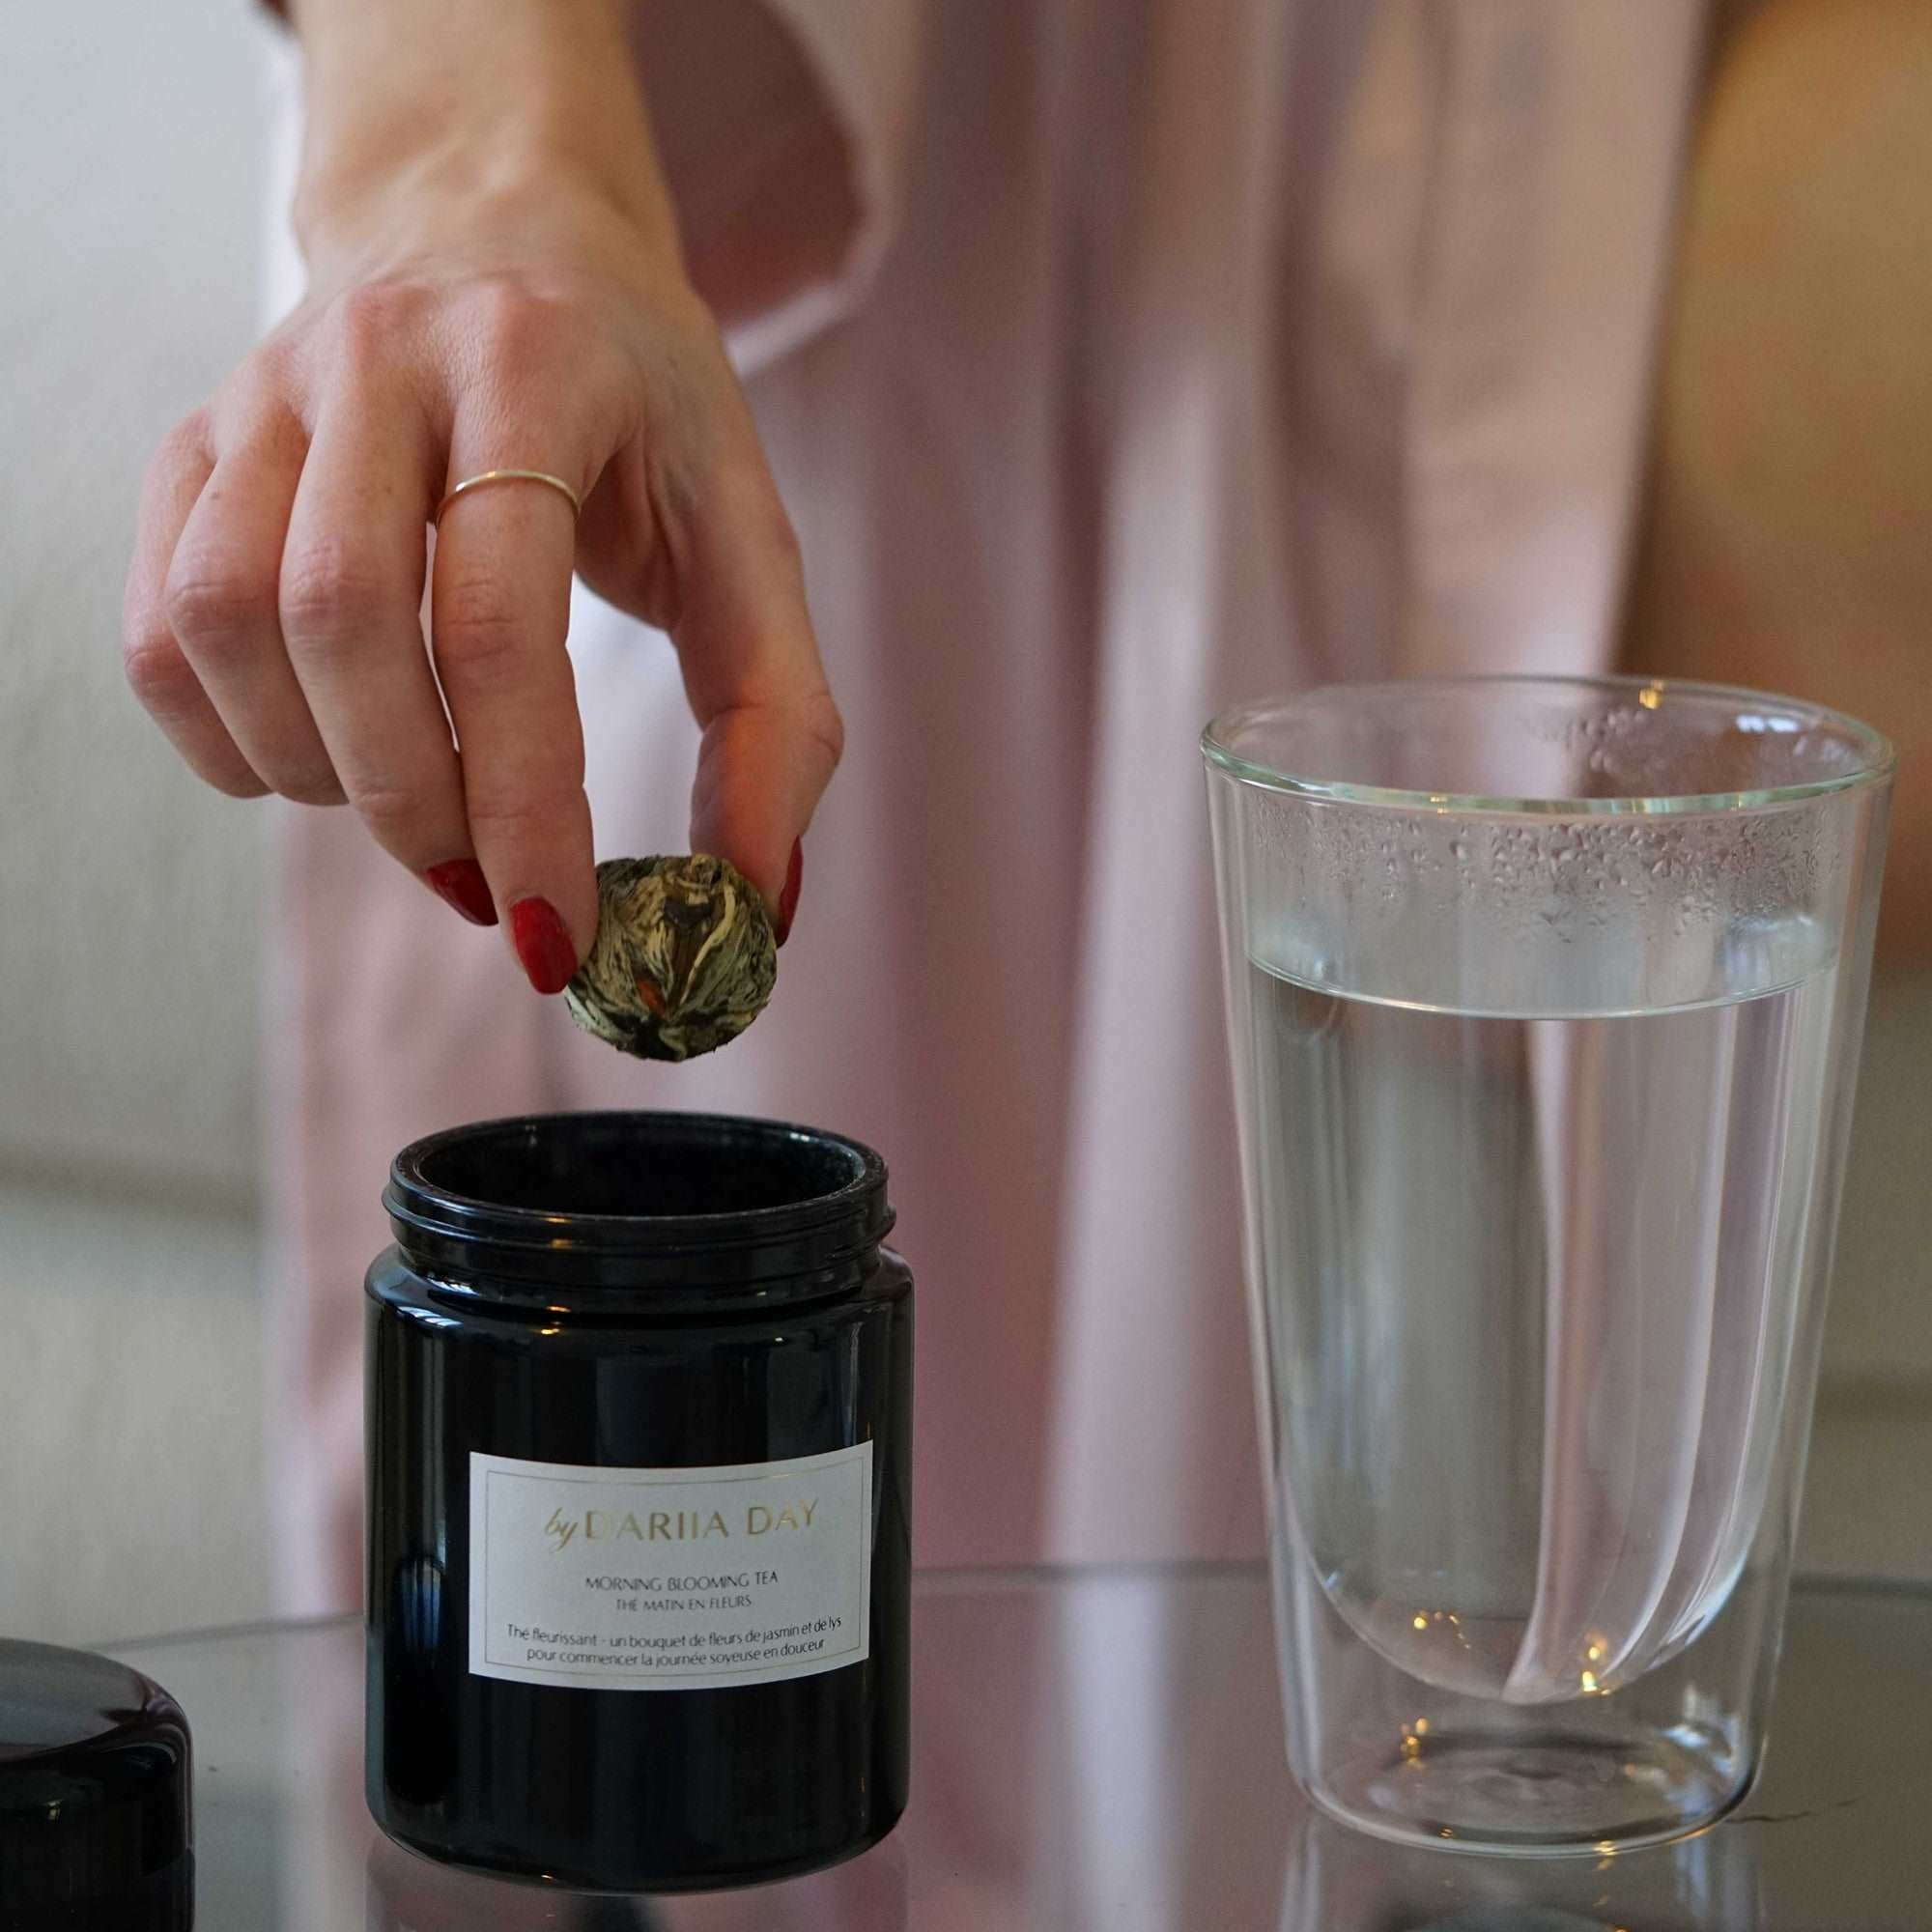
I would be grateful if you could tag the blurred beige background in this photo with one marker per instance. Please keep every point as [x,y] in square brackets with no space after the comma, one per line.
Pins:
[131,1331]
[130,1320]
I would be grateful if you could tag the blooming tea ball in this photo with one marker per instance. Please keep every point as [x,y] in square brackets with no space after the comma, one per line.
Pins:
[684,959]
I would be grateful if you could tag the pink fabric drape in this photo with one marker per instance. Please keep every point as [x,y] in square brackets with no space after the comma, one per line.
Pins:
[1127,358]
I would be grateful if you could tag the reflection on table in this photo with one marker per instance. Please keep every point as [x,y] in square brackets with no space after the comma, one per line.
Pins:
[1101,1750]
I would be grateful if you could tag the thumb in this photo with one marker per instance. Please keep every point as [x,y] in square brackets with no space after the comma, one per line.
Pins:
[726,582]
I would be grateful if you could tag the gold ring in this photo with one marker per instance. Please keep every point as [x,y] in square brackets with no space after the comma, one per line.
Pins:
[484,477]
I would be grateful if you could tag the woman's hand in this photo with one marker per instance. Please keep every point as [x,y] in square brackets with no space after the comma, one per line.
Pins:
[495,283]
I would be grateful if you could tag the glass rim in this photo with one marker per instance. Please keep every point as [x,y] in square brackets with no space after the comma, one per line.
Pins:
[1878,760]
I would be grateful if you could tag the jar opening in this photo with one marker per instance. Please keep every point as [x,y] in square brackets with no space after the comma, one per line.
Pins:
[658,1201]
[541,1169]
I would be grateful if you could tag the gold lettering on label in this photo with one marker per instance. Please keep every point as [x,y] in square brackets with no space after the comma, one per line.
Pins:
[657,1526]
[761,1519]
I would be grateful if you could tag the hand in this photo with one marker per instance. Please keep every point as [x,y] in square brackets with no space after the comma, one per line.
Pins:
[510,296]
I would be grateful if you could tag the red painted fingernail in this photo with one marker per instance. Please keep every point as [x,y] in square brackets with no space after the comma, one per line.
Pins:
[789,898]
[461,882]
[543,944]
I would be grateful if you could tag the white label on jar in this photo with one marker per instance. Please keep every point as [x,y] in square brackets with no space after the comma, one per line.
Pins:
[662,1579]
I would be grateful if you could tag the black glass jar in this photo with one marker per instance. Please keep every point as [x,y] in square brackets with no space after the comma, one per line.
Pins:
[640,1396]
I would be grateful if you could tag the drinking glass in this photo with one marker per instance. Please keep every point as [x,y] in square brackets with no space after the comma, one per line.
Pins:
[1543,1000]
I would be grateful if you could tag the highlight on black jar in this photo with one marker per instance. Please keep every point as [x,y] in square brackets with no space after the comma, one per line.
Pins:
[640,1408]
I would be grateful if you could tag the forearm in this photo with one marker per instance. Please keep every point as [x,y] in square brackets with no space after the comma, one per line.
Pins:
[469,98]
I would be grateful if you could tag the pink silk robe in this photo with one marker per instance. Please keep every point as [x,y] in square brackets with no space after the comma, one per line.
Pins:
[1117,358]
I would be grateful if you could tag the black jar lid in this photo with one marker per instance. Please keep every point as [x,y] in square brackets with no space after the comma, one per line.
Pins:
[94,1797]
[657,1211]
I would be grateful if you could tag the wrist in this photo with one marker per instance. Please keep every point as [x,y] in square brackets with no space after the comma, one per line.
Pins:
[359,202]
[461,103]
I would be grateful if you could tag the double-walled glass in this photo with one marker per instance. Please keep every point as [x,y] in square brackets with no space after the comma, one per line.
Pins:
[1544,999]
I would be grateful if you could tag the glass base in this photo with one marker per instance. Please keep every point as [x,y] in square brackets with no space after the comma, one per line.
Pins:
[1551,1795]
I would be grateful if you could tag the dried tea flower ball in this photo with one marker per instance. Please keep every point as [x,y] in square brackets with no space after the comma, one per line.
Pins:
[684,958]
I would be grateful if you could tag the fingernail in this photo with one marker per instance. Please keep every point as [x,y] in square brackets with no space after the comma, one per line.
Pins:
[789,898]
[462,884]
[543,944]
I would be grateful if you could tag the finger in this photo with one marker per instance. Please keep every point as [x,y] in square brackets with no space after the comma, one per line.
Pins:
[223,602]
[499,609]
[351,588]
[751,670]
[158,671]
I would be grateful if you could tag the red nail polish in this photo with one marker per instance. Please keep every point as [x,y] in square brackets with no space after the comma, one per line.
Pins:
[462,884]
[789,898]
[543,944]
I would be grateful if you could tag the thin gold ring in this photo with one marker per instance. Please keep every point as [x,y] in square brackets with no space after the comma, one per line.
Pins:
[484,477]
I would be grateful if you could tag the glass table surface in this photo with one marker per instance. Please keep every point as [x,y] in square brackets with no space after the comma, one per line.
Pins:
[1101,1748]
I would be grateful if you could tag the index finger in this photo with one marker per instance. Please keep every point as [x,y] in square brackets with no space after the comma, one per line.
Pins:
[500,608]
